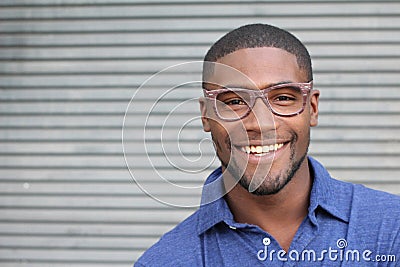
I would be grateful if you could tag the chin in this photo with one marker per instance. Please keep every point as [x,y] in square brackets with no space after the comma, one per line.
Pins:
[270,186]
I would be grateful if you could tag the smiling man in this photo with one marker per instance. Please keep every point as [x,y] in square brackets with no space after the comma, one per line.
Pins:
[277,206]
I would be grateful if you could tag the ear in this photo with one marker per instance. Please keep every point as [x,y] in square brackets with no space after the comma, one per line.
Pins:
[204,117]
[314,100]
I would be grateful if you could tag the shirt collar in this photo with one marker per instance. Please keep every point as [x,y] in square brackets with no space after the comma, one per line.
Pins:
[214,208]
[329,194]
[325,194]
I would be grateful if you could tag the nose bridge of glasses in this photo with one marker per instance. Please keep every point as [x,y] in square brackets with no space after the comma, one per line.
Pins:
[263,103]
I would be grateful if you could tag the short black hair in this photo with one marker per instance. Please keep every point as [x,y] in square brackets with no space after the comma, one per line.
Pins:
[259,35]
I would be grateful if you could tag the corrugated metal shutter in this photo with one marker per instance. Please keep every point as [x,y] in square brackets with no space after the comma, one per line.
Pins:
[69,68]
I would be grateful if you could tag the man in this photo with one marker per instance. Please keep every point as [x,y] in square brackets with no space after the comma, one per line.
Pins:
[280,208]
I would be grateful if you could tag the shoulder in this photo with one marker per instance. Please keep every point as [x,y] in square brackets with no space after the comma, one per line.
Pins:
[365,201]
[355,198]
[375,202]
[178,247]
[375,220]
[374,215]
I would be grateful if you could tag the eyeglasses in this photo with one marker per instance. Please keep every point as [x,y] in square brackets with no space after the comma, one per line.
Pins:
[287,100]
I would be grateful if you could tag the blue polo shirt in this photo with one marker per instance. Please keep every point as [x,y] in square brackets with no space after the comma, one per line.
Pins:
[347,225]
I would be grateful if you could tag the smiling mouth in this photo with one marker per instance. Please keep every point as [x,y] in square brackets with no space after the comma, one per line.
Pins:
[261,150]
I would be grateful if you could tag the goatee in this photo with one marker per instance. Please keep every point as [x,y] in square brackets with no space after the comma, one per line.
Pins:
[270,185]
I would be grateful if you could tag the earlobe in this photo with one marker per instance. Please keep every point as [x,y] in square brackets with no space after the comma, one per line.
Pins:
[204,118]
[314,100]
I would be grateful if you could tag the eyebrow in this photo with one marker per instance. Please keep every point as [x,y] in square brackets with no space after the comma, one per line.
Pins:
[275,84]
[265,87]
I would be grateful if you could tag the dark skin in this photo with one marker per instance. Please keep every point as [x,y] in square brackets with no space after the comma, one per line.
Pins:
[279,213]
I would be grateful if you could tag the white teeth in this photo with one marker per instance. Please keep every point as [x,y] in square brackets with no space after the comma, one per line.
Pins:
[260,150]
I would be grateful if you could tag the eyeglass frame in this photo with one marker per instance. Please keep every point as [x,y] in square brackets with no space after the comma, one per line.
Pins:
[254,94]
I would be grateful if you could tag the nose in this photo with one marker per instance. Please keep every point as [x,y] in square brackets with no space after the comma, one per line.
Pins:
[260,118]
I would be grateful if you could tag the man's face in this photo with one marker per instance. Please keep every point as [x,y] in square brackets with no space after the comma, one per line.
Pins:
[288,136]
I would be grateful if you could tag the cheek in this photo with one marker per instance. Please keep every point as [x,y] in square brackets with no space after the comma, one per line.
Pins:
[300,126]
[303,124]
[219,135]
[303,133]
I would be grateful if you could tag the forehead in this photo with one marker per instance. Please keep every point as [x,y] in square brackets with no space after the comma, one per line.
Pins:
[257,67]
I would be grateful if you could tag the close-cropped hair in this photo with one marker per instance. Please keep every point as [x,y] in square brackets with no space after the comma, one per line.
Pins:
[258,35]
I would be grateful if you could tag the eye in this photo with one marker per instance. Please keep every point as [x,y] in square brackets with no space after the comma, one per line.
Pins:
[232,98]
[236,101]
[283,98]
[286,96]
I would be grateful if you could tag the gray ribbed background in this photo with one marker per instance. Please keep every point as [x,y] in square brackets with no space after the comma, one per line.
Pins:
[70,67]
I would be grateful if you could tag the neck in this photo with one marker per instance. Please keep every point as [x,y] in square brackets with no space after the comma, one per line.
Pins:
[279,214]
